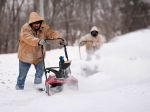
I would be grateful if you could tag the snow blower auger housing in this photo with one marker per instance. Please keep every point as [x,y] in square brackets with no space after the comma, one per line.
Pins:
[59,76]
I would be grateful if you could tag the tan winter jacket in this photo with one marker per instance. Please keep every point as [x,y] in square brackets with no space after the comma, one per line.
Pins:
[92,43]
[29,51]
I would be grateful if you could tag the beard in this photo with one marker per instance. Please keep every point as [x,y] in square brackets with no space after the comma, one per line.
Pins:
[36,27]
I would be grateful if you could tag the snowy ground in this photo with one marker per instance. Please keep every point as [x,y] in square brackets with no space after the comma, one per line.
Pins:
[121,83]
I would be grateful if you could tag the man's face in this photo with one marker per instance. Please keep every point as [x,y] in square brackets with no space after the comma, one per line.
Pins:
[36,25]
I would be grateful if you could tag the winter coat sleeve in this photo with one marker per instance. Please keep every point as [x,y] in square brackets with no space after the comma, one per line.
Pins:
[51,34]
[27,36]
[83,40]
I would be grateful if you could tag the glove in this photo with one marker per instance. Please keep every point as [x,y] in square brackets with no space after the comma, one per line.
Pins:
[42,42]
[62,42]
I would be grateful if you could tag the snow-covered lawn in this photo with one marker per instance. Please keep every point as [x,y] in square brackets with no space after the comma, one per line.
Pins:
[121,83]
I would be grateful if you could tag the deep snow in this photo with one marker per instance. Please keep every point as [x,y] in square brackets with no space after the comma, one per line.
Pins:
[121,83]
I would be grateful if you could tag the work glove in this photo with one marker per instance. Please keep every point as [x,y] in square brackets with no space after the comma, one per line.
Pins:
[42,42]
[62,42]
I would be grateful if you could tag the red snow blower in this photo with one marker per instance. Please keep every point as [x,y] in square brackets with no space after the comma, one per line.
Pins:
[59,76]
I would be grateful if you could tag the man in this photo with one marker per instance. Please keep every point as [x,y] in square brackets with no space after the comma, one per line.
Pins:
[92,41]
[32,37]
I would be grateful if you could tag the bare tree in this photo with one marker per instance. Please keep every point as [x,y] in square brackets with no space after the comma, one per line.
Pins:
[135,15]
[72,18]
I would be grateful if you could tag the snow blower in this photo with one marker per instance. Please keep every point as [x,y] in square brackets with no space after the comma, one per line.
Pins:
[59,76]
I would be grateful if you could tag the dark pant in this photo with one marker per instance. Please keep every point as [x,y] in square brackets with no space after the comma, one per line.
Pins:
[23,70]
